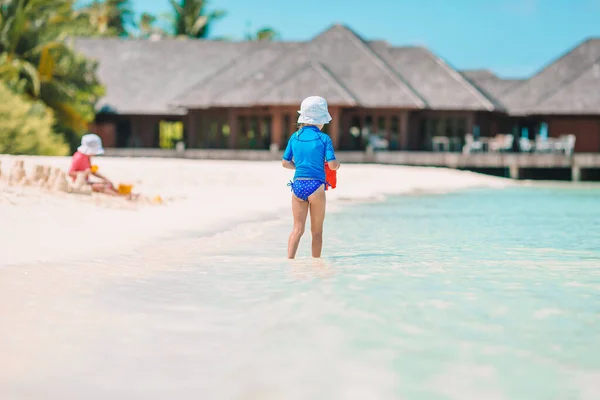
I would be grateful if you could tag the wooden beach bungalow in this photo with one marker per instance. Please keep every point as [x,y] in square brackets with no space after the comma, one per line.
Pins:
[562,98]
[244,95]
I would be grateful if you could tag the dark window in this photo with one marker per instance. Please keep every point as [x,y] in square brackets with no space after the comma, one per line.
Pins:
[368,125]
[395,133]
[252,133]
[381,127]
[265,133]
[353,139]
[123,133]
[241,140]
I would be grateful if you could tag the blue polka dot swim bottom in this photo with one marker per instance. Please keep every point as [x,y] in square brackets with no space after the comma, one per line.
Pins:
[303,188]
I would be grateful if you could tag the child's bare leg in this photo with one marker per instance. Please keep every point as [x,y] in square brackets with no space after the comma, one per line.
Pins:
[299,212]
[317,202]
[104,188]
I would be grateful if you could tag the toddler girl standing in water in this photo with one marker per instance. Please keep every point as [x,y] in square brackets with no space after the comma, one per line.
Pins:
[307,151]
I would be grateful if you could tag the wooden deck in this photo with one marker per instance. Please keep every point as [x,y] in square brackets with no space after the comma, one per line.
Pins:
[514,163]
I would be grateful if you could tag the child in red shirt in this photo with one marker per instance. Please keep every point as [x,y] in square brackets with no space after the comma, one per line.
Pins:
[91,145]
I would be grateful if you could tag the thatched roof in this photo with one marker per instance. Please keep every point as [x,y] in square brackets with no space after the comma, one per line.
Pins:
[438,83]
[489,83]
[142,76]
[167,76]
[349,62]
[579,95]
[569,85]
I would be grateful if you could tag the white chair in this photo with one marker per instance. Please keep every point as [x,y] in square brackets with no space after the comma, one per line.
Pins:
[509,141]
[378,143]
[502,142]
[542,145]
[566,144]
[570,144]
[471,145]
[525,145]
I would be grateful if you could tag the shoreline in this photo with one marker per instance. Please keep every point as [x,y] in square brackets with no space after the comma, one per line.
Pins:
[203,198]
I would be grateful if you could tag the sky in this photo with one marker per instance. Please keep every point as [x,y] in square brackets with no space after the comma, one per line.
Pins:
[513,38]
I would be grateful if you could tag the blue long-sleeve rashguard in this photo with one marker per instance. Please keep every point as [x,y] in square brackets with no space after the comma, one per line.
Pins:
[309,148]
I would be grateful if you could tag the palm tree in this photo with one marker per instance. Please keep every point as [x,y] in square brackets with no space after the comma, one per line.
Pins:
[190,18]
[110,17]
[263,34]
[147,26]
[36,61]
[266,34]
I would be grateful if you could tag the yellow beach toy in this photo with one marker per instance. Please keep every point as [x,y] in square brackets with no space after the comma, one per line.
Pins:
[124,189]
[94,169]
[157,200]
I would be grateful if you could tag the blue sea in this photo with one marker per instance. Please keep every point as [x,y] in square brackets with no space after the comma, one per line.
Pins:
[481,294]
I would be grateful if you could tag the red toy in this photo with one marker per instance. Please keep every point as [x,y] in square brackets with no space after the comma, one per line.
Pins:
[330,176]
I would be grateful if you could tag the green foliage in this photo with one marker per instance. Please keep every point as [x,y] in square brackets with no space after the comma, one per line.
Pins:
[170,133]
[26,126]
[37,61]
[147,25]
[190,18]
[267,34]
[109,17]
[264,33]
[57,87]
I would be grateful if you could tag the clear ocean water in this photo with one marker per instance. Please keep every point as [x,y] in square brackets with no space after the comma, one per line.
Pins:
[484,294]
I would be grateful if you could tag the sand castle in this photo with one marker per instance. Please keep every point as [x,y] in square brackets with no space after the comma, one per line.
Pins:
[60,183]
[80,185]
[51,178]
[38,173]
[17,173]
[56,180]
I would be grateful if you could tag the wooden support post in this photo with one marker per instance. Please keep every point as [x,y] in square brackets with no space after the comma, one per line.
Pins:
[576,173]
[233,128]
[203,129]
[470,122]
[388,127]
[334,129]
[191,129]
[135,138]
[293,123]
[514,171]
[276,129]
[404,131]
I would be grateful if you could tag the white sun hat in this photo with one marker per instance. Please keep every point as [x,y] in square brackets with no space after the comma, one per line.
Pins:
[91,145]
[313,110]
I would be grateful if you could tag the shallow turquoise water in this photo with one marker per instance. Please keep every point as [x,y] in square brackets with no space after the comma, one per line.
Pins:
[471,295]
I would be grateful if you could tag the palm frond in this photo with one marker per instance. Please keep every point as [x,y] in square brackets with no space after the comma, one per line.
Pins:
[42,47]
[217,14]
[199,24]
[15,69]
[70,117]
[178,9]
[46,67]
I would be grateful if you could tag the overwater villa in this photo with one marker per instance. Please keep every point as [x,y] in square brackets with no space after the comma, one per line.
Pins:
[244,95]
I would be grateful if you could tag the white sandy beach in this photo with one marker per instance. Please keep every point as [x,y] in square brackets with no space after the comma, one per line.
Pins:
[202,197]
